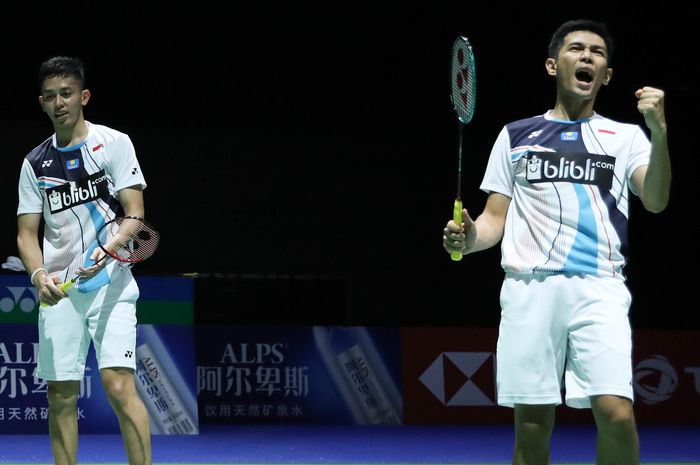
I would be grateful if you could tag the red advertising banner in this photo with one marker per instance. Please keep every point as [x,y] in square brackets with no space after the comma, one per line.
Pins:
[667,376]
[449,377]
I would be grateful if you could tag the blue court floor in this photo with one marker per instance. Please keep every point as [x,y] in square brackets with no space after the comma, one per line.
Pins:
[323,444]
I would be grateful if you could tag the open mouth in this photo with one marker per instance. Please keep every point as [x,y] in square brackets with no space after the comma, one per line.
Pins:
[584,75]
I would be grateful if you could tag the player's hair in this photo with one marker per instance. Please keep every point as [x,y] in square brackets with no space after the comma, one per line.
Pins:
[62,66]
[580,25]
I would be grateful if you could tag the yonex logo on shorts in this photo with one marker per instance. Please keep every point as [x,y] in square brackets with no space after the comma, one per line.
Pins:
[128,354]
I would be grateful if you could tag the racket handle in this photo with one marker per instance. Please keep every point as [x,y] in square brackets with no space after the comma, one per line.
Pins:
[64,287]
[457,218]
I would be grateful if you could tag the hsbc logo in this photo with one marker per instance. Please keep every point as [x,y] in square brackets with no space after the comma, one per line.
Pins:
[459,379]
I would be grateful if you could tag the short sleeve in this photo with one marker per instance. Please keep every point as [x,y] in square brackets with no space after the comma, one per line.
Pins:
[499,171]
[126,171]
[30,196]
[640,152]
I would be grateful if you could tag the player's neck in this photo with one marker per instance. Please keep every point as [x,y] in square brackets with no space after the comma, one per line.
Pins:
[572,109]
[67,137]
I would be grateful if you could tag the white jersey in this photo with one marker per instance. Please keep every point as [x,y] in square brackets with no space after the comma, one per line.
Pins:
[569,184]
[75,188]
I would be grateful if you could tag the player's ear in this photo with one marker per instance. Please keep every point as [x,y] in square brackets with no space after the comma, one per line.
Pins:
[85,96]
[41,103]
[608,76]
[551,65]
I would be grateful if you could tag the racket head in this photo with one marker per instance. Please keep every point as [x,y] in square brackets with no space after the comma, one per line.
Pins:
[463,79]
[128,239]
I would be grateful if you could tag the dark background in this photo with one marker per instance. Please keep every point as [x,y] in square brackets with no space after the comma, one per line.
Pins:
[302,159]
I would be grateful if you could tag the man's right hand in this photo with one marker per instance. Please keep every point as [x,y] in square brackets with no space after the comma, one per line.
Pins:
[47,287]
[459,238]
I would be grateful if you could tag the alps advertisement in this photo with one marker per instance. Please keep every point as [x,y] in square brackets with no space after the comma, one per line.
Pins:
[165,363]
[299,375]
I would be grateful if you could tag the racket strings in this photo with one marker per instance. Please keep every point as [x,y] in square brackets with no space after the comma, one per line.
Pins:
[129,240]
[144,244]
[464,95]
[463,79]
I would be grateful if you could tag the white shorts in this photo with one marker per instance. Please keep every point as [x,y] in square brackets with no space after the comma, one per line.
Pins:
[107,317]
[571,325]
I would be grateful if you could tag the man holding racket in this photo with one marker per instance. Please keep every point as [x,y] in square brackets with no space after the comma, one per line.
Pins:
[558,187]
[77,180]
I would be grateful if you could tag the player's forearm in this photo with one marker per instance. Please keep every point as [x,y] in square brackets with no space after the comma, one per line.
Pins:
[30,253]
[489,232]
[657,181]
[131,199]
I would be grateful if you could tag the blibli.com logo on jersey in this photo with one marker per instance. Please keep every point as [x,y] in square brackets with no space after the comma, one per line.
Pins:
[573,168]
[78,192]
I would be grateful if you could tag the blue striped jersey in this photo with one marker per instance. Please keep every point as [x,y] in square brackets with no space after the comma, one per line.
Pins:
[569,183]
[75,188]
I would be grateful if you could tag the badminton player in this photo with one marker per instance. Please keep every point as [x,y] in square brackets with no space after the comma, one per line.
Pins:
[75,181]
[558,186]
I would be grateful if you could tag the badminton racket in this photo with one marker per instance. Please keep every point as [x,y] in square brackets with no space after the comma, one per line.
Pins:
[463,96]
[127,239]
